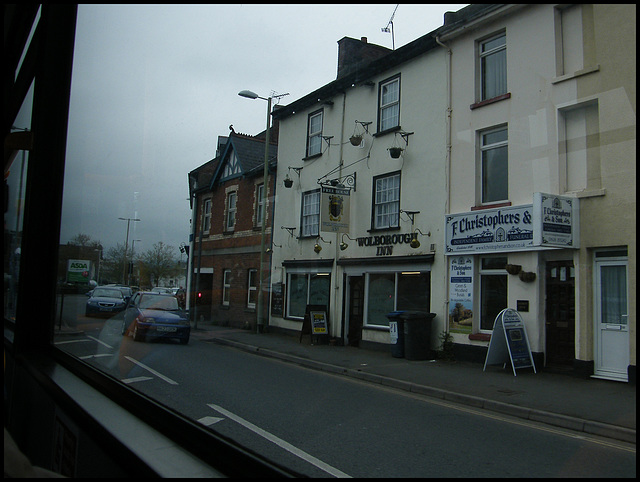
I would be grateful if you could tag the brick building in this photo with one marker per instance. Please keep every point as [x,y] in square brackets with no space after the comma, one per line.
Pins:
[226,199]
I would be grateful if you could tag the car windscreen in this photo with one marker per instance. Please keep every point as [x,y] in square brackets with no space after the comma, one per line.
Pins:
[158,302]
[107,293]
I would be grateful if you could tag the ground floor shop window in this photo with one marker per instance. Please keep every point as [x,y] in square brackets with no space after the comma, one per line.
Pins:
[306,289]
[493,290]
[387,292]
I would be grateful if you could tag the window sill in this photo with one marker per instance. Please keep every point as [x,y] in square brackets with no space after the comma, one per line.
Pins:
[314,156]
[388,131]
[383,230]
[480,336]
[375,328]
[491,206]
[577,73]
[493,100]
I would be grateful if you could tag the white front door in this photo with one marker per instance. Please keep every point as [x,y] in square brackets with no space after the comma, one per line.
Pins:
[611,319]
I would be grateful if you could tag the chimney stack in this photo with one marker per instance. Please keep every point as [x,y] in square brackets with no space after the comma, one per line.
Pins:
[354,54]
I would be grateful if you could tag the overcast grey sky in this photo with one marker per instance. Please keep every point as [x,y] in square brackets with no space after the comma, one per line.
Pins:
[155,85]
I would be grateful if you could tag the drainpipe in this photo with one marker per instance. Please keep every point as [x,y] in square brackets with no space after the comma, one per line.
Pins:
[447,167]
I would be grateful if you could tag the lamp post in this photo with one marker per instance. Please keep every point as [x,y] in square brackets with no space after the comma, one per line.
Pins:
[99,258]
[126,246]
[252,95]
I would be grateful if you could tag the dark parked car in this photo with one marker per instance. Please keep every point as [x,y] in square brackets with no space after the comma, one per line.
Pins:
[105,301]
[155,315]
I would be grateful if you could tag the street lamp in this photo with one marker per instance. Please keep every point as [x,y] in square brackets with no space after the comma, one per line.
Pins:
[252,95]
[126,246]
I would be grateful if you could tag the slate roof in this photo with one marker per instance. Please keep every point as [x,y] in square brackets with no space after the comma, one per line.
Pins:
[250,155]
[452,20]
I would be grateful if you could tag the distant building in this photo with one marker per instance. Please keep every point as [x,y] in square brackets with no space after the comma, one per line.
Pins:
[228,212]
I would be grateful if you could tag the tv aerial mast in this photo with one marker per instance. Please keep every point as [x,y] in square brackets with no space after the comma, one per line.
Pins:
[389,27]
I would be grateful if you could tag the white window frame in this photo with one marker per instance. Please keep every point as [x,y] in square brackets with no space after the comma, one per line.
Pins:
[309,276]
[232,199]
[226,287]
[314,134]
[310,217]
[389,105]
[206,216]
[260,209]
[386,201]
[252,287]
[485,150]
[499,79]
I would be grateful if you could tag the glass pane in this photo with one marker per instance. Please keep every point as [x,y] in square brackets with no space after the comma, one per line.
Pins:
[319,290]
[613,286]
[413,292]
[495,175]
[15,183]
[297,291]
[381,298]
[493,299]
[494,74]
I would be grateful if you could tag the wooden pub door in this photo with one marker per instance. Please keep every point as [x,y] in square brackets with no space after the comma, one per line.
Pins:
[560,313]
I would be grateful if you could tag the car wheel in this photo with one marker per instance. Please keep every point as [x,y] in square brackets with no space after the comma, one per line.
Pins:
[184,341]
[136,334]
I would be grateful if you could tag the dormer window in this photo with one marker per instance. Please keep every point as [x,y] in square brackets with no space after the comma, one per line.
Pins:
[232,168]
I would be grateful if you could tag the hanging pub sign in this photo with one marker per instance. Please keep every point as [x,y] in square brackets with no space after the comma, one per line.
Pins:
[556,220]
[334,209]
[509,342]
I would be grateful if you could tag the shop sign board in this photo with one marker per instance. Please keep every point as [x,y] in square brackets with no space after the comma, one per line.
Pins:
[334,209]
[556,220]
[78,270]
[319,323]
[509,342]
[460,293]
[501,229]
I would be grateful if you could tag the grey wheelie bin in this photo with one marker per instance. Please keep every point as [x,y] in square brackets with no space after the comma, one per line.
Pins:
[417,334]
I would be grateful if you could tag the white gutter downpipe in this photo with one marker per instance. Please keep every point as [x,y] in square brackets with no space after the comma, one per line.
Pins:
[447,167]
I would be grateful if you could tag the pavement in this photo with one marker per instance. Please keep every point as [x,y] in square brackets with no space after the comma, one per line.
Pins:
[593,406]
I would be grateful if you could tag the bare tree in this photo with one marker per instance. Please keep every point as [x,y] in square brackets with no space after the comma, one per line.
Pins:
[159,262]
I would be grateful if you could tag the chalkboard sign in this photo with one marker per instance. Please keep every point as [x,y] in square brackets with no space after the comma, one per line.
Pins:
[277,299]
[315,323]
[509,342]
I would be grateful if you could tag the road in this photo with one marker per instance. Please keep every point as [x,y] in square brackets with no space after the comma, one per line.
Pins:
[325,425]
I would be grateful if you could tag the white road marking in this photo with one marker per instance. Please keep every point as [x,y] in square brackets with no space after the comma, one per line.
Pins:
[281,443]
[210,420]
[97,355]
[84,340]
[99,341]
[136,379]
[151,370]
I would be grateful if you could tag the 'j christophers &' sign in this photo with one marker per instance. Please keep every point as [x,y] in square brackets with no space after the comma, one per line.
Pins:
[550,222]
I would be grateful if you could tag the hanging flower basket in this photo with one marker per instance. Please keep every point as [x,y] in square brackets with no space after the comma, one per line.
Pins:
[288,182]
[356,140]
[513,268]
[527,276]
[395,152]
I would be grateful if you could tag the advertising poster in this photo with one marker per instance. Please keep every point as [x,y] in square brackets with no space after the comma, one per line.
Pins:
[460,294]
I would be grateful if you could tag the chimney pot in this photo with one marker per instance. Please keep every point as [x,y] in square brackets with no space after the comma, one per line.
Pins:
[363,40]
